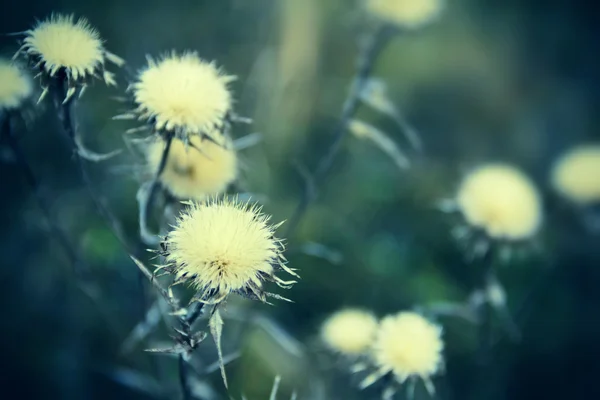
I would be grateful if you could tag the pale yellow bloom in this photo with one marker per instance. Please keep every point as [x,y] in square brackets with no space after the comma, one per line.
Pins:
[15,86]
[350,331]
[407,345]
[60,43]
[576,175]
[225,246]
[182,94]
[199,169]
[405,13]
[500,200]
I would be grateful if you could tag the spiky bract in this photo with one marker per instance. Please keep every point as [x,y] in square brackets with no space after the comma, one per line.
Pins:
[199,169]
[224,246]
[182,94]
[63,44]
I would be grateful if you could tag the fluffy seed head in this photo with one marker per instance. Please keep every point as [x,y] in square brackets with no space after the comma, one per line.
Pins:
[405,13]
[15,86]
[576,175]
[349,331]
[61,43]
[500,200]
[182,94]
[224,246]
[200,169]
[408,345]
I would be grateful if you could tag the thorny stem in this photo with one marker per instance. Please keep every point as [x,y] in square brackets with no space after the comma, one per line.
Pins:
[65,114]
[370,53]
[148,199]
[44,204]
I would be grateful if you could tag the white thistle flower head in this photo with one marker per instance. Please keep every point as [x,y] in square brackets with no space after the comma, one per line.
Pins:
[408,14]
[576,175]
[407,345]
[225,246]
[350,331]
[500,200]
[61,44]
[196,170]
[182,94]
[15,86]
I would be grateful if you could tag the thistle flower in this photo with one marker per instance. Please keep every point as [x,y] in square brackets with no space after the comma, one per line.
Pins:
[183,95]
[15,86]
[349,331]
[408,345]
[576,175]
[500,200]
[408,14]
[220,247]
[197,170]
[60,45]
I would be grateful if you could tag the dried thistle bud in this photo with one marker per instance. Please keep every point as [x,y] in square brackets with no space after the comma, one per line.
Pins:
[350,331]
[576,175]
[225,246]
[502,201]
[198,169]
[183,95]
[61,45]
[408,345]
[407,14]
[15,86]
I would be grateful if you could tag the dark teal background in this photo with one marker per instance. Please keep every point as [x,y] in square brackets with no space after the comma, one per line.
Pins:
[515,81]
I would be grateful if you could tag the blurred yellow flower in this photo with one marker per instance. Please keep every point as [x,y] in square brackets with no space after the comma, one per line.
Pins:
[199,169]
[407,345]
[59,43]
[502,201]
[349,331]
[182,94]
[576,175]
[15,86]
[224,246]
[405,13]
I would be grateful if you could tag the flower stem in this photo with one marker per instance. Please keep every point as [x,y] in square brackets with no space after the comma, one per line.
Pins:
[148,196]
[44,204]
[183,379]
[370,53]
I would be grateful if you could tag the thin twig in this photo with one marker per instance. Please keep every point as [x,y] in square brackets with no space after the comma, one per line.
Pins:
[148,196]
[57,232]
[374,46]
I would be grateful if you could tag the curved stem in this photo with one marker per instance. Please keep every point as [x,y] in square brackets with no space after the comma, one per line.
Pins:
[57,232]
[147,196]
[374,46]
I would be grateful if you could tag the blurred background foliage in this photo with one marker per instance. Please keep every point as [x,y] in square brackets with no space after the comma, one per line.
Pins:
[515,81]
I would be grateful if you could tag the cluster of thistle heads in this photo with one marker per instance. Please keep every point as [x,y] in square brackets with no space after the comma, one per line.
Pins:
[220,246]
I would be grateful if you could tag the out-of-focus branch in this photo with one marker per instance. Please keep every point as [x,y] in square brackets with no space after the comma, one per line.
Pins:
[370,53]
[57,232]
